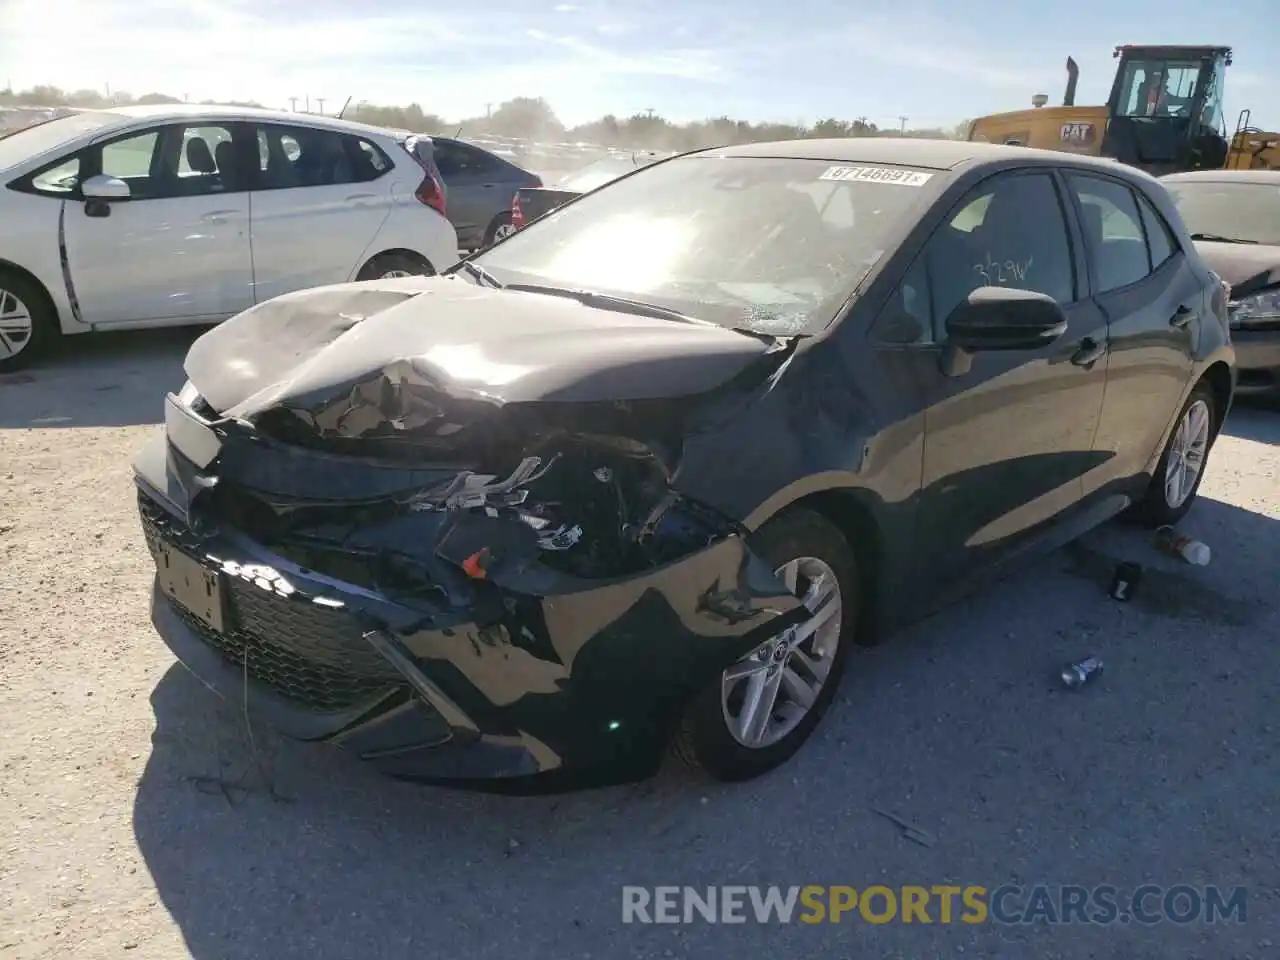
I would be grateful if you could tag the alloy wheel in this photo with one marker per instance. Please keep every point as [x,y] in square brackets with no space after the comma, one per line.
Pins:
[1187,452]
[502,231]
[395,274]
[766,694]
[16,325]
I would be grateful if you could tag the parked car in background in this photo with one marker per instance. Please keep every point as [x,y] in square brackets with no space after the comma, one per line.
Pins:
[1234,219]
[171,215]
[532,202]
[647,471]
[480,185]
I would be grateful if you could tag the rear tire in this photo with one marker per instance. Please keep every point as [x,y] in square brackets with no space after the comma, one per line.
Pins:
[1177,476]
[28,321]
[499,229]
[386,266]
[720,740]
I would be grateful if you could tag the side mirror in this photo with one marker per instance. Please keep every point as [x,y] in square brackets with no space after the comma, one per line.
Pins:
[105,188]
[1005,318]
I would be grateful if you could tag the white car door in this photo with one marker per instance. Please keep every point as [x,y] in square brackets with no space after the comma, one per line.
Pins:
[178,249]
[319,203]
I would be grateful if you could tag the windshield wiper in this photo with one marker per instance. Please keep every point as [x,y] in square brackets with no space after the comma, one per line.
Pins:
[607,301]
[481,274]
[1218,238]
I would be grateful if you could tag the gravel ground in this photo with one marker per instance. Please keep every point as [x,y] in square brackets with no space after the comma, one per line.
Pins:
[133,815]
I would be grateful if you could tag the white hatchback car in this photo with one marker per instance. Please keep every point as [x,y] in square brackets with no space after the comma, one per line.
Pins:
[175,215]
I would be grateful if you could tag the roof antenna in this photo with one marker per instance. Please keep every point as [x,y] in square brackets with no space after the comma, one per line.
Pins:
[344,108]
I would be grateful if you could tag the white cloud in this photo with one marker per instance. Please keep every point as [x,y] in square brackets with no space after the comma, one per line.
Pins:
[566,8]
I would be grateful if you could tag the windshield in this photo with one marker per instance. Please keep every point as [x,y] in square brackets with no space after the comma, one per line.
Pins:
[599,173]
[34,140]
[1238,211]
[769,245]
[1158,88]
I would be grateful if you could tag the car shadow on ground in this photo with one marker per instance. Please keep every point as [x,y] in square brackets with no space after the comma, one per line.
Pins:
[98,380]
[1156,772]
[1254,419]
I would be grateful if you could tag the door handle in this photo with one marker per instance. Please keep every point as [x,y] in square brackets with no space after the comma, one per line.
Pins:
[1181,317]
[1088,353]
[219,216]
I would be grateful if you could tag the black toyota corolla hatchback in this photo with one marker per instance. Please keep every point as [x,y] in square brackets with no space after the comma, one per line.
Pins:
[644,474]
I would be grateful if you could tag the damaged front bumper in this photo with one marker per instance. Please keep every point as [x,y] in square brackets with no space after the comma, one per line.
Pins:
[537,673]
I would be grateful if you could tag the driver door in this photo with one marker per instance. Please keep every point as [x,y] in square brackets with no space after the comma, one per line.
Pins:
[1009,435]
[178,249]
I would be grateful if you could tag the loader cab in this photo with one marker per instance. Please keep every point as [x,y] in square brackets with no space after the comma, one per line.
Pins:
[1165,112]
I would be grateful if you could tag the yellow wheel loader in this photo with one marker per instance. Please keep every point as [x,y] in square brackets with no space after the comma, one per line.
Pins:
[1164,115]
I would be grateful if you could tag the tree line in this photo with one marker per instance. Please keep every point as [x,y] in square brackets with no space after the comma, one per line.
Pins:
[532,118]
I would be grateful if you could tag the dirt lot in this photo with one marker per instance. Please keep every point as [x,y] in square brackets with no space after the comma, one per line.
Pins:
[133,816]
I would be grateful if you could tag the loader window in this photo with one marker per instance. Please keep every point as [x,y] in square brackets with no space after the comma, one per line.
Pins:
[1158,88]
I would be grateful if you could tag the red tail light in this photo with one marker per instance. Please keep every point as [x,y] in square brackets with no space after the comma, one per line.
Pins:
[429,193]
[517,215]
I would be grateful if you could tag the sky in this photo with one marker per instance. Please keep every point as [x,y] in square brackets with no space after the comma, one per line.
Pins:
[931,61]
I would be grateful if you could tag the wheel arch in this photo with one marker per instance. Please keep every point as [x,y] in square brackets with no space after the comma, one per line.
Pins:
[856,513]
[8,266]
[1218,376]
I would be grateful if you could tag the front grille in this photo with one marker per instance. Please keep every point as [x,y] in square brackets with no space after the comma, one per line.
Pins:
[311,654]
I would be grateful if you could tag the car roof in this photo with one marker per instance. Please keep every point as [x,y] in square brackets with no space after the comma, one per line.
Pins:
[205,111]
[1269,178]
[913,152]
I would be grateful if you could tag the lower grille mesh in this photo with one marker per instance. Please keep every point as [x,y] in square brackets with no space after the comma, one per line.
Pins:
[314,655]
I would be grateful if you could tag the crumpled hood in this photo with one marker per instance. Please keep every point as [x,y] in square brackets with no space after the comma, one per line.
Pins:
[1248,268]
[455,338]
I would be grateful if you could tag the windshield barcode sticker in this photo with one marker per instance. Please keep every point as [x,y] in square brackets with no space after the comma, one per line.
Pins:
[901,178]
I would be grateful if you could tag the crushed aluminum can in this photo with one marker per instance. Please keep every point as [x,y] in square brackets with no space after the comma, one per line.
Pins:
[1076,675]
[1124,584]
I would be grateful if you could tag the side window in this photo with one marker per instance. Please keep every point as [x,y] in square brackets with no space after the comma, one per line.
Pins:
[207,163]
[449,159]
[377,161]
[1160,239]
[908,316]
[303,157]
[1113,231]
[60,180]
[133,161]
[1009,231]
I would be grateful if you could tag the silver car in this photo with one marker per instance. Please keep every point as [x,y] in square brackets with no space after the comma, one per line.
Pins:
[480,186]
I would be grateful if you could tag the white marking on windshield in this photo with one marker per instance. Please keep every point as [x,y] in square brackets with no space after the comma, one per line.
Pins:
[892,175]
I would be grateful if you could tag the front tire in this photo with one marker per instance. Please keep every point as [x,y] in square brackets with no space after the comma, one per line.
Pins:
[28,321]
[755,715]
[1177,476]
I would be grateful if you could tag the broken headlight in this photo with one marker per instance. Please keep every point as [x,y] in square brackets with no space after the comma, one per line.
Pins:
[1257,310]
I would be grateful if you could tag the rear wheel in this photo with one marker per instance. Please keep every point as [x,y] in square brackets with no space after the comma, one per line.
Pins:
[762,708]
[28,322]
[1181,468]
[387,266]
[500,228]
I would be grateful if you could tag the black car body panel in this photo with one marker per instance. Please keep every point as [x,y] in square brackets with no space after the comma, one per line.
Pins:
[535,202]
[418,453]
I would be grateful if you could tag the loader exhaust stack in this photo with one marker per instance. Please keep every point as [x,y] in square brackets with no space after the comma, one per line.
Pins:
[1073,76]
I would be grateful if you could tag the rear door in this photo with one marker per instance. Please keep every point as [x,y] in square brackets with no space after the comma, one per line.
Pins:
[320,198]
[178,248]
[1153,300]
[1008,435]
[480,187]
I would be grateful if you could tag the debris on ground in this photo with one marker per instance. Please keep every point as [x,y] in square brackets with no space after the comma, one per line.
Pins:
[1125,581]
[1076,675]
[1180,545]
